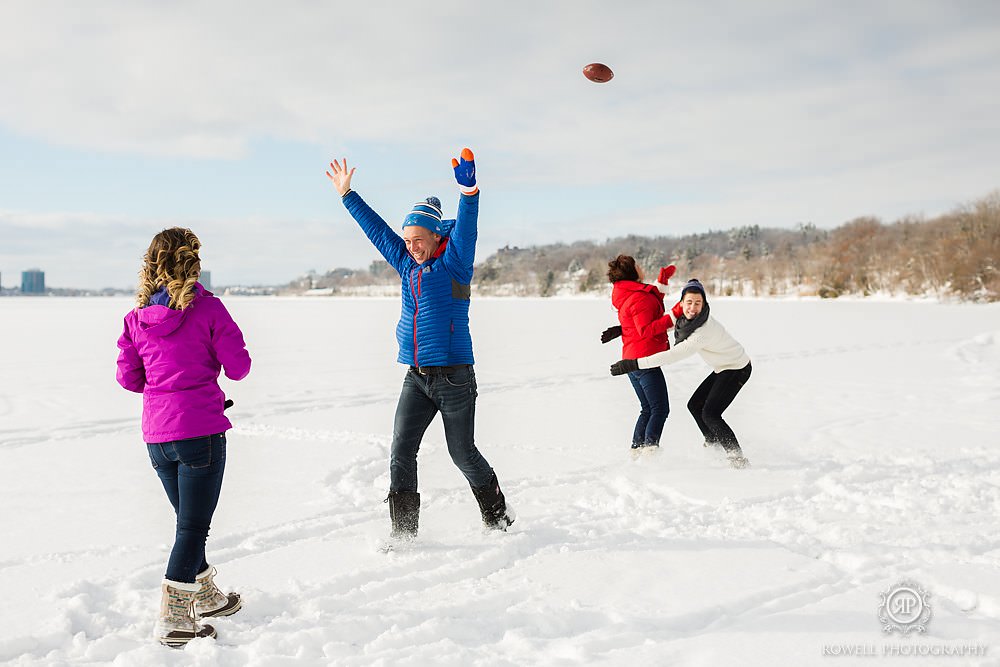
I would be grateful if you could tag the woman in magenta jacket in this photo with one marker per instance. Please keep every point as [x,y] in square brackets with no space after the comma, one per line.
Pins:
[643,328]
[175,344]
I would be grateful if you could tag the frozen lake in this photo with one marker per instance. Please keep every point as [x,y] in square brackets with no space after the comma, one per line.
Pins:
[872,427]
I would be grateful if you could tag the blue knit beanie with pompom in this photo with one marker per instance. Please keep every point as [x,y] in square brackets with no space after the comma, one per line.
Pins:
[427,214]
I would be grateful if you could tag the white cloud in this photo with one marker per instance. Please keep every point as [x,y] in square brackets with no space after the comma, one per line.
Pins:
[744,111]
[202,79]
[96,251]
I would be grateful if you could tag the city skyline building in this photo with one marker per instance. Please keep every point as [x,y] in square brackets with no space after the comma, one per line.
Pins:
[33,281]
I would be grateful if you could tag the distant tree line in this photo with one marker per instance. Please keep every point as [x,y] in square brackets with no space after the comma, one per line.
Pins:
[956,254]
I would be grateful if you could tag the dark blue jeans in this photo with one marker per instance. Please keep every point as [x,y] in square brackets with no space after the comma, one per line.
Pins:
[191,473]
[423,396]
[651,388]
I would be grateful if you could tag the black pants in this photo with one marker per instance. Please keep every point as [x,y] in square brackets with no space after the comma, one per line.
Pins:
[711,399]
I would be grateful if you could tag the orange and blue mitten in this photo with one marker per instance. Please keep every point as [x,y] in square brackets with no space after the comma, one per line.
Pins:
[465,172]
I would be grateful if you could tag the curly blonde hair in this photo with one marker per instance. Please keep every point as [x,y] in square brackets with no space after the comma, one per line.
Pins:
[171,261]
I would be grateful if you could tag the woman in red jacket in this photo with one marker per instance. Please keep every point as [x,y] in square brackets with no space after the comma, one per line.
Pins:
[643,328]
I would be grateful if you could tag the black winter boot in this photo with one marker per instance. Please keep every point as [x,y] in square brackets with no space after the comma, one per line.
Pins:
[404,511]
[493,506]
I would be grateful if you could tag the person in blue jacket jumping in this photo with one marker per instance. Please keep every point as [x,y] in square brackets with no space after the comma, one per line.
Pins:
[434,258]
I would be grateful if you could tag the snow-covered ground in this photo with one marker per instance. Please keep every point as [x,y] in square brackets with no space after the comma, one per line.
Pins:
[872,428]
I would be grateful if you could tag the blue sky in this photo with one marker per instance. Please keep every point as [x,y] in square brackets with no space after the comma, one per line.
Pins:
[125,117]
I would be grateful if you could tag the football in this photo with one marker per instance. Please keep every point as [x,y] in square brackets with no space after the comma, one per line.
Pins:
[598,72]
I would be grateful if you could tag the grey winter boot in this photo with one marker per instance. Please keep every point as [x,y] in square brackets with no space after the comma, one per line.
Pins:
[736,458]
[493,506]
[404,512]
[176,625]
[210,601]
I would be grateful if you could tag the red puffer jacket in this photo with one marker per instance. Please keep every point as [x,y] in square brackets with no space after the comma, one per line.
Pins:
[643,318]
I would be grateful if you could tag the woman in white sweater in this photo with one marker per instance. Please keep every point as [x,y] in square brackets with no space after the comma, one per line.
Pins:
[697,331]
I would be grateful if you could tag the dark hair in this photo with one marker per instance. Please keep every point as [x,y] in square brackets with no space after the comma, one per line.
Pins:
[622,267]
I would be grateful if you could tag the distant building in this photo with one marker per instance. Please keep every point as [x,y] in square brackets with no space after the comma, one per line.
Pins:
[206,279]
[33,281]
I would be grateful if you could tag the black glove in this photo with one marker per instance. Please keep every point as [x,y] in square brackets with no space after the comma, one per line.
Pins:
[610,334]
[228,404]
[624,366]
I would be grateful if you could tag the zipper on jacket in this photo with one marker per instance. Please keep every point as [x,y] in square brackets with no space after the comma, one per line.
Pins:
[416,310]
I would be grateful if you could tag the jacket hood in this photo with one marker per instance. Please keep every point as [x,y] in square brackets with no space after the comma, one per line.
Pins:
[624,289]
[161,321]
[441,248]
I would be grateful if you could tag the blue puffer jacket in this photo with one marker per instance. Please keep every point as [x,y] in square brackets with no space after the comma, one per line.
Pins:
[433,327]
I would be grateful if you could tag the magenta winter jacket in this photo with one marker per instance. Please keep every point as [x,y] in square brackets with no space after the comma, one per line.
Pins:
[173,358]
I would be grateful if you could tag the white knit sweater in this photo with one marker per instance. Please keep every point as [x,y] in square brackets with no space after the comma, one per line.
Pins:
[711,341]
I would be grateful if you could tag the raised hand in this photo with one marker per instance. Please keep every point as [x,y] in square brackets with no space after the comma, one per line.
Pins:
[666,273]
[465,172]
[341,177]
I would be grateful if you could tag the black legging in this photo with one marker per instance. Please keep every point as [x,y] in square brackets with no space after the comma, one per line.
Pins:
[711,399]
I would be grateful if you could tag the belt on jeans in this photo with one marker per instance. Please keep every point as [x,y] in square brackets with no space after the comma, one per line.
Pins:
[437,370]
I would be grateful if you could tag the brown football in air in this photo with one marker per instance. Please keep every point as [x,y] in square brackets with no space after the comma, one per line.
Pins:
[598,72]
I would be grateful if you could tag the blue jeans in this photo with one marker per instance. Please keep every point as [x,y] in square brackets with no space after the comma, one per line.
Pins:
[651,388]
[423,396]
[191,473]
